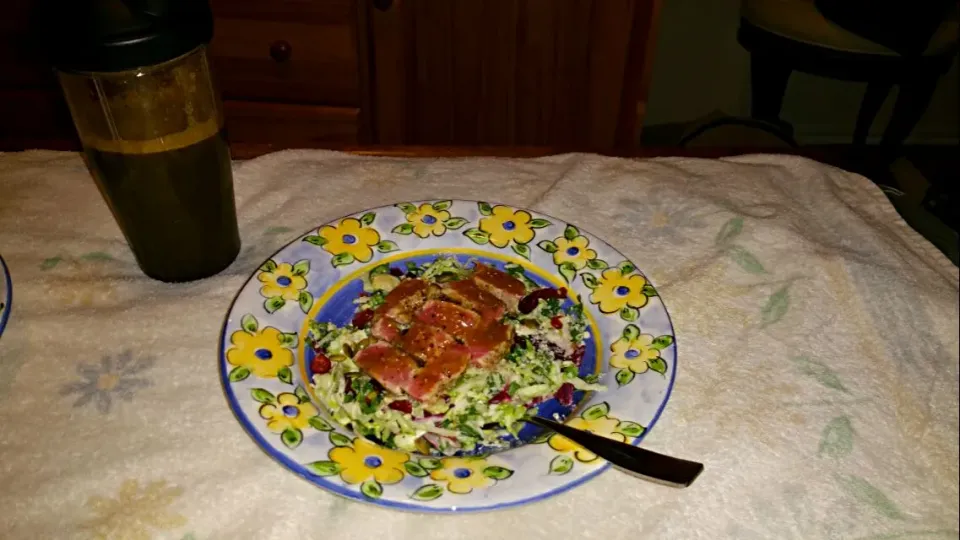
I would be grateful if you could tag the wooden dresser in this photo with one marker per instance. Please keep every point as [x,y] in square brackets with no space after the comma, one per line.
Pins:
[311,73]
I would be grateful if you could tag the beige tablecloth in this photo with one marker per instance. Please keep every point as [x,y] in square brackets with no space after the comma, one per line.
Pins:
[817,371]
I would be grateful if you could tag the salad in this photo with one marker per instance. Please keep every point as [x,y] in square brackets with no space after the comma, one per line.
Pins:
[444,357]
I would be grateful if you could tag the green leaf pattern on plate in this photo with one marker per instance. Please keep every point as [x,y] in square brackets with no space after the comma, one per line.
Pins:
[291,437]
[497,473]
[477,236]
[342,259]
[522,250]
[561,465]
[320,424]
[624,377]
[273,304]
[249,323]
[372,489]
[324,468]
[285,375]
[427,492]
[596,411]
[263,396]
[339,439]
[239,373]
[415,469]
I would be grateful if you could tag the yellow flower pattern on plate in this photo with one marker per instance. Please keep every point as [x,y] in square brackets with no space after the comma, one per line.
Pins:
[426,221]
[604,426]
[281,282]
[430,218]
[597,420]
[285,282]
[363,460]
[350,238]
[615,290]
[462,475]
[507,225]
[260,352]
[503,226]
[135,513]
[635,354]
[575,251]
[263,353]
[572,253]
[287,413]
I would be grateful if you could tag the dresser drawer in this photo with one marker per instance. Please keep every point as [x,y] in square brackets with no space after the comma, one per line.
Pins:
[295,62]
[308,11]
[290,125]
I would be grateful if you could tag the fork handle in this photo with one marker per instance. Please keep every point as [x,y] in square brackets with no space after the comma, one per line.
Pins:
[646,463]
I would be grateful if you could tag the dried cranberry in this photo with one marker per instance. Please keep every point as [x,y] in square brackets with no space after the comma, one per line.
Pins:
[577,356]
[530,301]
[363,318]
[565,394]
[320,364]
[396,272]
[403,406]
[556,322]
[502,396]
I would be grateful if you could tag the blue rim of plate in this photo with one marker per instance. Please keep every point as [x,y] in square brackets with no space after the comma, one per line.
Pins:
[7,301]
[268,447]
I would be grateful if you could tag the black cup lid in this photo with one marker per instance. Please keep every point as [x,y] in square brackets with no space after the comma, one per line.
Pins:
[118,35]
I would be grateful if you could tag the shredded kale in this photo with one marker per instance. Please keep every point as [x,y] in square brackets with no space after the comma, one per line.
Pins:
[550,307]
[517,272]
[370,402]
[445,269]
[578,323]
[389,441]
[376,299]
[413,270]
[519,351]
[381,269]
[511,319]
[470,431]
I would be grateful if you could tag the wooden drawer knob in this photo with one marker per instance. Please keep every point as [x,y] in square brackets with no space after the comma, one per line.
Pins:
[280,51]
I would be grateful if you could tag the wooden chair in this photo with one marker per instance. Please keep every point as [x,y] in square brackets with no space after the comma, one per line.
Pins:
[783,36]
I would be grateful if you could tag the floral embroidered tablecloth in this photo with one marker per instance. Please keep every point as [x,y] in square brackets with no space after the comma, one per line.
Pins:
[818,360]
